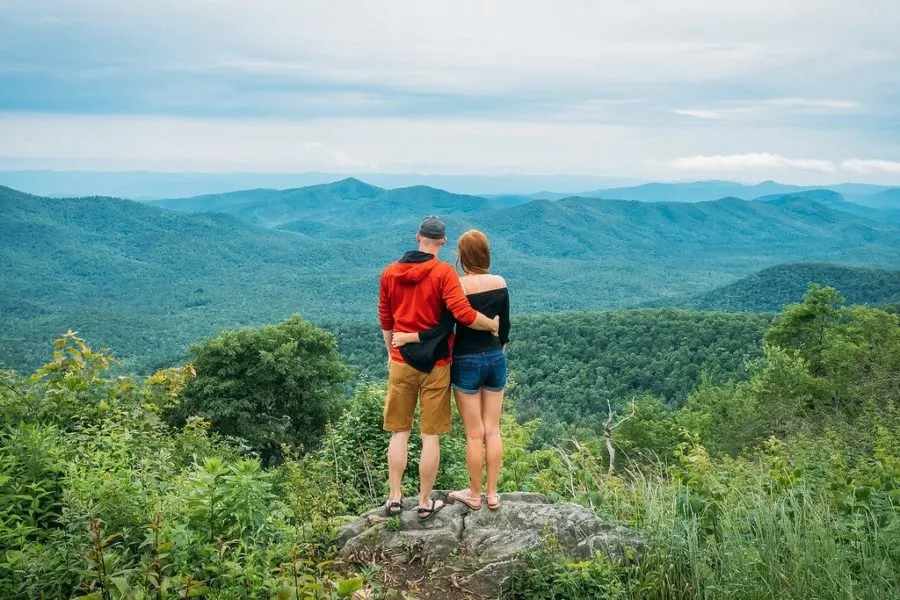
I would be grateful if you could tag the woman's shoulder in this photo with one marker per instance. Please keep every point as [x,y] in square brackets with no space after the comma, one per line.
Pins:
[496,282]
[482,284]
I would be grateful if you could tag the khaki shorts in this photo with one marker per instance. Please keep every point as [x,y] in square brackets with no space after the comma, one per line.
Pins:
[406,385]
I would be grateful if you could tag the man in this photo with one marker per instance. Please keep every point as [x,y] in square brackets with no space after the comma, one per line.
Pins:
[415,294]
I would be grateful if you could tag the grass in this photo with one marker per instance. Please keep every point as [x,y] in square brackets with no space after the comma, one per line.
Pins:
[760,546]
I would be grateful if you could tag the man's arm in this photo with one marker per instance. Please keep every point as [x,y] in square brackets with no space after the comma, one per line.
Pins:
[385,314]
[388,334]
[484,323]
[461,308]
[385,309]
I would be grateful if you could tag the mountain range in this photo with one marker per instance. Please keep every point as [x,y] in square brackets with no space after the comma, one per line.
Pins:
[703,191]
[149,278]
[148,185]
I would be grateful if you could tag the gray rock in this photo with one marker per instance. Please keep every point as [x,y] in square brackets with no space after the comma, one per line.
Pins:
[476,550]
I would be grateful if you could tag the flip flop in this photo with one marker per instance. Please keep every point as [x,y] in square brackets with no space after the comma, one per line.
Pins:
[427,513]
[464,497]
[495,505]
[393,508]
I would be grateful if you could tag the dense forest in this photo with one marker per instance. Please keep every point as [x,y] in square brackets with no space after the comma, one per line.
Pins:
[775,479]
[774,288]
[149,281]
[566,366]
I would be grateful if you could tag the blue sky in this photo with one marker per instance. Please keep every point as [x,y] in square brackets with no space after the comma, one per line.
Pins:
[796,90]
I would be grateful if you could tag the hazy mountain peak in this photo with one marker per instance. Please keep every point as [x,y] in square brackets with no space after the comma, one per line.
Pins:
[352,183]
[818,195]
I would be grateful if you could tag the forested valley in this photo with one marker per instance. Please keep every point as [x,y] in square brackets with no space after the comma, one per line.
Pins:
[148,279]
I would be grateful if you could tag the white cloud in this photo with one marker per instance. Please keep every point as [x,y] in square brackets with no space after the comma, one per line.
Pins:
[766,109]
[699,113]
[813,103]
[755,161]
[869,166]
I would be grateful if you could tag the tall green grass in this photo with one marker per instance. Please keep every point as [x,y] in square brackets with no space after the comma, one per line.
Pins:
[759,546]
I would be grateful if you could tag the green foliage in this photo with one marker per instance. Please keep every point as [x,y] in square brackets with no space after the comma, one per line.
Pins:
[567,366]
[547,575]
[780,483]
[812,516]
[110,502]
[813,512]
[648,431]
[804,326]
[570,365]
[823,364]
[270,386]
[353,454]
[853,353]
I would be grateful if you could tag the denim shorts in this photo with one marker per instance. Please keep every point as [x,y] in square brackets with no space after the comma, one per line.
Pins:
[471,373]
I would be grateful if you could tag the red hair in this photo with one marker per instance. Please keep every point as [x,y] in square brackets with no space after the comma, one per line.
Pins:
[474,252]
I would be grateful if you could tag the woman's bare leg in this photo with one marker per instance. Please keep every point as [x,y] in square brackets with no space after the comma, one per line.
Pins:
[469,406]
[491,406]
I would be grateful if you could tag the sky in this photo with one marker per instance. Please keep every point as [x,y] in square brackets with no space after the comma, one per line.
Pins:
[802,91]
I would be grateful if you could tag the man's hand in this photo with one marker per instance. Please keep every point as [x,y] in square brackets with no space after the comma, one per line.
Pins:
[495,330]
[387,334]
[483,323]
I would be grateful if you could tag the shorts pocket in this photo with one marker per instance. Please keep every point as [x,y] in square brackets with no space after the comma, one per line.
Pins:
[465,375]
[496,379]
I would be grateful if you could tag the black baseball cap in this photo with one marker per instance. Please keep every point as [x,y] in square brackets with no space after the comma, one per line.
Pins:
[433,228]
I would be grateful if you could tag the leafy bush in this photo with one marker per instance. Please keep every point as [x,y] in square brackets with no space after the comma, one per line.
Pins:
[275,385]
[353,453]
[110,502]
[548,575]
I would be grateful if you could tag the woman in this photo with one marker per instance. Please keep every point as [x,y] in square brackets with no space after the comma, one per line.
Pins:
[478,371]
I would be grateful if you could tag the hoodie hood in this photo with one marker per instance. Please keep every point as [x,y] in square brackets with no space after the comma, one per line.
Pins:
[414,266]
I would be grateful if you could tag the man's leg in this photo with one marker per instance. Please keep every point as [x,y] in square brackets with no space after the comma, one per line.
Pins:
[429,463]
[397,458]
[434,420]
[399,407]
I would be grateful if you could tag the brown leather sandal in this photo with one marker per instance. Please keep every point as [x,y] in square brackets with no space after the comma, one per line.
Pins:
[427,513]
[393,508]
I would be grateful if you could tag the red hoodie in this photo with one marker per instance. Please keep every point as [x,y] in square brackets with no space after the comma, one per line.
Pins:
[414,292]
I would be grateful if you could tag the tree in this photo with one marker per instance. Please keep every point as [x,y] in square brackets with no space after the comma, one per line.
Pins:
[805,326]
[270,386]
[853,353]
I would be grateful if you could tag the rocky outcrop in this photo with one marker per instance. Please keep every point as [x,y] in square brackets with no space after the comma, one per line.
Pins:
[474,551]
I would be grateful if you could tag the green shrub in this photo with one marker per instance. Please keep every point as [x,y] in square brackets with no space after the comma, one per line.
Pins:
[279,384]
[110,502]
[353,454]
[546,574]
